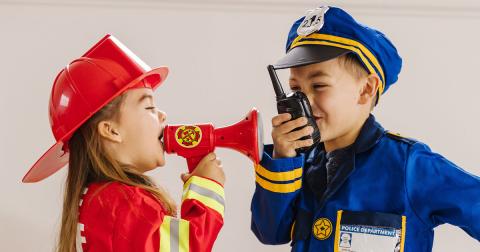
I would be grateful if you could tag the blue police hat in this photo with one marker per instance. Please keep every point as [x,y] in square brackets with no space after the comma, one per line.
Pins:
[328,32]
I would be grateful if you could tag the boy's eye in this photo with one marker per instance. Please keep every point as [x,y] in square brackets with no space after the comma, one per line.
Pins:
[319,86]
[151,108]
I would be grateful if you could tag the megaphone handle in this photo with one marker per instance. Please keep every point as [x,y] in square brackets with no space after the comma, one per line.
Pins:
[192,163]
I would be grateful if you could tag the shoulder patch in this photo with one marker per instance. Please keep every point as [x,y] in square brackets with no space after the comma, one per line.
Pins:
[401,138]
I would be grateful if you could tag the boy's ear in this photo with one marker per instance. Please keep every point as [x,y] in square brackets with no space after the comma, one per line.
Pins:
[369,89]
[109,130]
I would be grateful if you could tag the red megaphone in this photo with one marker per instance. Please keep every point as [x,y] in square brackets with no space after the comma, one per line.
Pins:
[193,142]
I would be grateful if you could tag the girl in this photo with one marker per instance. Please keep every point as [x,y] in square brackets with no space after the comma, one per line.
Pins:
[109,132]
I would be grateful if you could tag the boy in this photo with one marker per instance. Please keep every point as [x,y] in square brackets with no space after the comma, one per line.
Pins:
[362,188]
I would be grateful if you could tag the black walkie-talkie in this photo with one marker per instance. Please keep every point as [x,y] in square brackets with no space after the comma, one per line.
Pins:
[297,105]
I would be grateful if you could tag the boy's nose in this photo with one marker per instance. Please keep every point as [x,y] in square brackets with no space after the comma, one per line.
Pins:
[311,98]
[311,101]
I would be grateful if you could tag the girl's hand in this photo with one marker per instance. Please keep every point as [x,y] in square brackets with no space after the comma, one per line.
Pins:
[209,167]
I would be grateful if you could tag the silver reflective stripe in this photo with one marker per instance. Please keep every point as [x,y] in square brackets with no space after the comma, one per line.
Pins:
[207,193]
[80,239]
[174,234]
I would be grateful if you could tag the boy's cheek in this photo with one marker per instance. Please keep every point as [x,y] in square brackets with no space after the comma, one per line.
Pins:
[324,131]
[324,99]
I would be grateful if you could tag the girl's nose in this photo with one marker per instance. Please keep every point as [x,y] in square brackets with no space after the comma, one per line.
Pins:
[162,116]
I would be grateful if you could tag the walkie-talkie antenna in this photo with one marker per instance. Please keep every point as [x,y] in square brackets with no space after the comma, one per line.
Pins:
[276,83]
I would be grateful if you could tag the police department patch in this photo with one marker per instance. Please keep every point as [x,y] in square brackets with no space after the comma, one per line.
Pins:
[313,22]
[188,136]
[322,228]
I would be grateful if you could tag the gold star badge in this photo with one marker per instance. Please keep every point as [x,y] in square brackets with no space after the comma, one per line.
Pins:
[322,228]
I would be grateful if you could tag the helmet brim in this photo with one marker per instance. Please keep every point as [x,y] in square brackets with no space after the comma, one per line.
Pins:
[56,158]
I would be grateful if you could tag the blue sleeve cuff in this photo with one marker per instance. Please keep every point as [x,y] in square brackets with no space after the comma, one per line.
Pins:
[282,175]
[280,164]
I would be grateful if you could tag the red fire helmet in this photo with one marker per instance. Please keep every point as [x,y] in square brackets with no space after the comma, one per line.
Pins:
[82,88]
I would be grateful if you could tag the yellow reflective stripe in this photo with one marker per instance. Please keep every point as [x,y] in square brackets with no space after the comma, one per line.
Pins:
[165,234]
[207,201]
[184,241]
[353,46]
[174,235]
[337,232]
[279,188]
[404,231]
[206,183]
[208,192]
[278,176]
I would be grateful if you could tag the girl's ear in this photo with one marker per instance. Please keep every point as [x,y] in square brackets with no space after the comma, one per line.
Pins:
[369,89]
[109,130]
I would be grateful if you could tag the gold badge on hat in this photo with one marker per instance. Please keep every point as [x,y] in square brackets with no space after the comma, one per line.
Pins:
[313,22]
[322,228]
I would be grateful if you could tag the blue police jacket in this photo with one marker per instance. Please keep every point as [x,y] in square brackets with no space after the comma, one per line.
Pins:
[386,189]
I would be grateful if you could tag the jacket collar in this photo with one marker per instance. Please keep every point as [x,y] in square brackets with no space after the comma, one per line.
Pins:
[369,136]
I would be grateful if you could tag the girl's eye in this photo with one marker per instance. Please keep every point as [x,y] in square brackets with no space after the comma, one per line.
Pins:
[151,108]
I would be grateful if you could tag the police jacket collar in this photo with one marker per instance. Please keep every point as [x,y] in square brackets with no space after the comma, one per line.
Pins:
[369,136]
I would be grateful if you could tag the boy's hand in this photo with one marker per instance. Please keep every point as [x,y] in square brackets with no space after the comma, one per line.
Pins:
[209,167]
[285,141]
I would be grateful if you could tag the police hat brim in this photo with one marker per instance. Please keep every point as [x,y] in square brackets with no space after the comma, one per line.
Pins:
[309,54]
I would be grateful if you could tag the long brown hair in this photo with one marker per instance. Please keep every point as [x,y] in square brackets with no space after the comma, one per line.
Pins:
[89,162]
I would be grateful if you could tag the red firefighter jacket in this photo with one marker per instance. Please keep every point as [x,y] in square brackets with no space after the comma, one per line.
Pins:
[117,217]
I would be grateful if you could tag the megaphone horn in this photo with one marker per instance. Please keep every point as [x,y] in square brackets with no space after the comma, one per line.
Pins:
[193,142]
[245,136]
